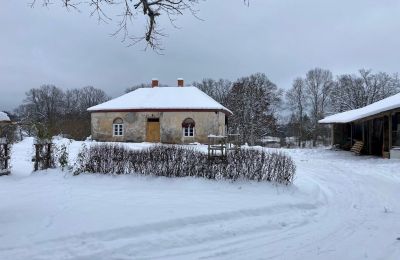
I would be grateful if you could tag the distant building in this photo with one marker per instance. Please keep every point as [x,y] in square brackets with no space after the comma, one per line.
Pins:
[377,126]
[173,115]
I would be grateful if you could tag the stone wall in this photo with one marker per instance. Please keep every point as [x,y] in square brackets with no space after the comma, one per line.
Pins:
[170,126]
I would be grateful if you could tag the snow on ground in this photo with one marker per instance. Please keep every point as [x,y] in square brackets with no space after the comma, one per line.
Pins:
[340,207]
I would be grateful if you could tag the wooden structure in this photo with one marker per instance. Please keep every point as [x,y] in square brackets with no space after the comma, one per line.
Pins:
[219,146]
[379,134]
[4,157]
[376,126]
[234,143]
[44,158]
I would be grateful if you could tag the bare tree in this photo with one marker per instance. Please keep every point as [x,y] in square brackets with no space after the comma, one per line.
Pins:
[318,83]
[128,10]
[253,100]
[51,111]
[355,91]
[90,96]
[218,90]
[44,105]
[296,98]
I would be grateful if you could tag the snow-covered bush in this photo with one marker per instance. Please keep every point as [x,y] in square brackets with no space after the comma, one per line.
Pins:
[177,161]
[62,156]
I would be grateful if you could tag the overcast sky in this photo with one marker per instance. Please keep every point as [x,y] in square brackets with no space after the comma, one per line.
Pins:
[281,38]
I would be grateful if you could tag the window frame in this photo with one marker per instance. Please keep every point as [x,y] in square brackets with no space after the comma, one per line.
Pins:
[188,131]
[118,128]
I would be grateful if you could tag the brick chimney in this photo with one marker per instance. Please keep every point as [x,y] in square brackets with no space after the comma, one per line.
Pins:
[154,83]
[181,83]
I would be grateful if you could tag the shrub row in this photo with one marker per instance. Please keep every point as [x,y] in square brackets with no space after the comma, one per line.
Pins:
[178,161]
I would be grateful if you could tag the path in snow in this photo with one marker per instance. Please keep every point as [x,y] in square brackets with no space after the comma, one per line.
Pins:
[340,207]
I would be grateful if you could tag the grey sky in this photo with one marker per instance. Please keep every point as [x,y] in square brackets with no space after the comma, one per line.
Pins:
[282,38]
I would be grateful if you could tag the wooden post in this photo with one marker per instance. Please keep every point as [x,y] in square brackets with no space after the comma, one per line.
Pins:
[37,157]
[383,135]
[48,156]
[370,128]
[390,131]
[209,151]
[6,156]
[363,132]
[351,133]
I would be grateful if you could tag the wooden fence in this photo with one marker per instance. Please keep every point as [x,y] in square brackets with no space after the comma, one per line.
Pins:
[44,158]
[4,157]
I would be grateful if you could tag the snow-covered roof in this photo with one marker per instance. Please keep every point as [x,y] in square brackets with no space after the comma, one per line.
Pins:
[4,117]
[162,98]
[383,105]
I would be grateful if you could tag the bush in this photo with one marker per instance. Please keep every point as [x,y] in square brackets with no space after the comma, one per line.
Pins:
[62,156]
[177,161]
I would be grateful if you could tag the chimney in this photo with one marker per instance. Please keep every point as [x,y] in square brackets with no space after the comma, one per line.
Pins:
[154,83]
[181,83]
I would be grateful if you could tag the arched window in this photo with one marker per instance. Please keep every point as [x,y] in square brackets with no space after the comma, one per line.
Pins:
[118,127]
[188,127]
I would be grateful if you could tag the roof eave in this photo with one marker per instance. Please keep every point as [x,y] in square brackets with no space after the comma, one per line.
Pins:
[225,111]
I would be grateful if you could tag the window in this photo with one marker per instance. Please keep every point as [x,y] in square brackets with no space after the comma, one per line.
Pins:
[188,127]
[118,127]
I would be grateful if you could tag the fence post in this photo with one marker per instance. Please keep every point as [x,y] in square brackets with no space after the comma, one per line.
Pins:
[4,157]
[37,157]
[43,156]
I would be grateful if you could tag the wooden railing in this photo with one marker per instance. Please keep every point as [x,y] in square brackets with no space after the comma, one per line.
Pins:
[219,146]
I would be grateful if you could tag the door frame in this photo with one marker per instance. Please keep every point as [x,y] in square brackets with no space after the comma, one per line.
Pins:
[149,121]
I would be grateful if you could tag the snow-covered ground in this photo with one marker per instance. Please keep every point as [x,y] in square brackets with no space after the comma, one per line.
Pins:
[340,207]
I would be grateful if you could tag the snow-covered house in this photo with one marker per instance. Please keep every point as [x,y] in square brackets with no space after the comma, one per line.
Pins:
[159,114]
[376,125]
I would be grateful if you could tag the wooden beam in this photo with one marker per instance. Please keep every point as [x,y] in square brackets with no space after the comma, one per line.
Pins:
[363,132]
[351,134]
[390,131]
[370,128]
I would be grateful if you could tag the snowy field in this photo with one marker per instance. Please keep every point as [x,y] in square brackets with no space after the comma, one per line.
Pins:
[340,207]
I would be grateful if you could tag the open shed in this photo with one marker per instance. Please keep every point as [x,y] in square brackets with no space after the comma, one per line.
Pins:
[377,126]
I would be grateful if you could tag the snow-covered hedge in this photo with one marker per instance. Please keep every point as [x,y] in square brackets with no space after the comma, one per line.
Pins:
[178,161]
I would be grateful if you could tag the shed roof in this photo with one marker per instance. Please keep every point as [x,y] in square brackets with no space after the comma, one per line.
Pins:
[162,98]
[4,117]
[383,105]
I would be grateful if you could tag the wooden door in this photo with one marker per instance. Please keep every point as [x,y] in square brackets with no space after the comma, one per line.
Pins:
[153,130]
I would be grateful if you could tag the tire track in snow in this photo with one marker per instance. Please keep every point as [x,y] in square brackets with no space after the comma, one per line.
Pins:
[147,238]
